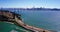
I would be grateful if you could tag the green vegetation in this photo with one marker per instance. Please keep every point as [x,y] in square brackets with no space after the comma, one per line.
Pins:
[8,27]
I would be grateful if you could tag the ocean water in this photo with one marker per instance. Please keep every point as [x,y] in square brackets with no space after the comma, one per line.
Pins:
[49,20]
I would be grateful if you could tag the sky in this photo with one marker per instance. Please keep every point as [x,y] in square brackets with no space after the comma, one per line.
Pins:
[29,3]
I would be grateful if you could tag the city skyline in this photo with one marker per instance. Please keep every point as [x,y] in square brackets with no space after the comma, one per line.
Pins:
[29,3]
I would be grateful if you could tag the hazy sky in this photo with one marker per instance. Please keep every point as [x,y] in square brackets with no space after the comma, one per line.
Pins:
[29,3]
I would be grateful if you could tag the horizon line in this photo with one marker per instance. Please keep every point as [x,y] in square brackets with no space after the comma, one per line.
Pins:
[27,7]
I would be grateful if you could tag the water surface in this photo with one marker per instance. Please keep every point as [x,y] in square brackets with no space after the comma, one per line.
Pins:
[49,20]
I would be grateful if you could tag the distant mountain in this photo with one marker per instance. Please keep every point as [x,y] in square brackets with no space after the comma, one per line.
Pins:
[54,9]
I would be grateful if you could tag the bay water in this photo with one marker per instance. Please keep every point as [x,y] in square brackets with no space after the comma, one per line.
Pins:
[49,20]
